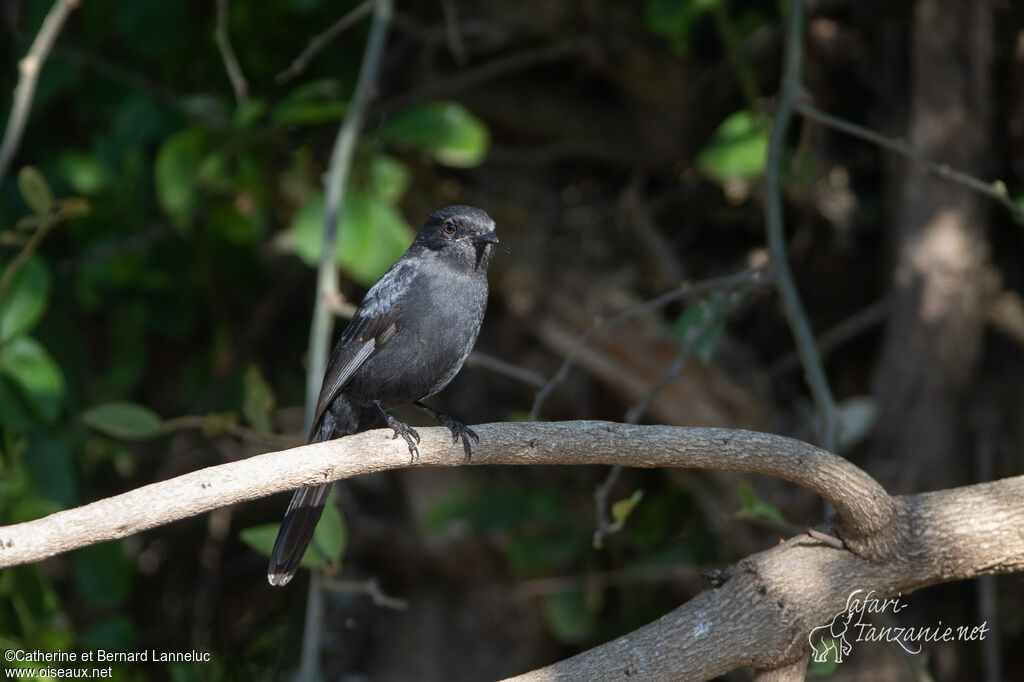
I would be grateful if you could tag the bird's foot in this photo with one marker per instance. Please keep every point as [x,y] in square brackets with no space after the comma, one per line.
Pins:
[458,429]
[408,433]
[404,430]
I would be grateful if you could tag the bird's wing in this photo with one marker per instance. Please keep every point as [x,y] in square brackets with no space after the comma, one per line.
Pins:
[375,322]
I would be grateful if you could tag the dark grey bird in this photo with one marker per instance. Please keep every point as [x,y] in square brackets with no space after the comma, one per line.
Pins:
[407,340]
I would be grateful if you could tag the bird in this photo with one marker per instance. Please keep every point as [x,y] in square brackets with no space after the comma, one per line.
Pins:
[407,340]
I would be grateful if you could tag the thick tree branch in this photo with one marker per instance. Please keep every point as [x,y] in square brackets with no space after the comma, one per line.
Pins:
[762,615]
[759,617]
[865,508]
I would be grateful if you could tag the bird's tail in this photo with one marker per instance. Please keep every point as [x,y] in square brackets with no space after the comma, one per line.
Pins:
[296,532]
[307,504]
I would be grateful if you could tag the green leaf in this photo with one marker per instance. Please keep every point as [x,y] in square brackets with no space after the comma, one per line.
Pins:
[257,398]
[29,365]
[751,507]
[447,130]
[177,165]
[103,575]
[115,633]
[371,235]
[122,420]
[702,325]
[623,508]
[35,190]
[260,538]
[249,113]
[309,104]
[84,172]
[389,178]
[674,19]
[51,469]
[24,301]
[329,539]
[737,150]
[569,615]
[14,410]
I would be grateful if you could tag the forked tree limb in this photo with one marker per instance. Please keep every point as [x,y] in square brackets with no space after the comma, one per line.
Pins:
[759,617]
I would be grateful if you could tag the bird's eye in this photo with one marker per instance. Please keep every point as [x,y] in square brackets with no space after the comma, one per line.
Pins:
[449,227]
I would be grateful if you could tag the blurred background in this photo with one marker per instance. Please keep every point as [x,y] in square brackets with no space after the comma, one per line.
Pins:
[162,227]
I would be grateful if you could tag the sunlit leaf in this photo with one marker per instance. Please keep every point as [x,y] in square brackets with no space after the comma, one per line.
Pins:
[35,190]
[260,538]
[389,178]
[737,150]
[453,135]
[24,301]
[371,235]
[84,172]
[621,509]
[30,367]
[257,398]
[177,165]
[329,539]
[122,420]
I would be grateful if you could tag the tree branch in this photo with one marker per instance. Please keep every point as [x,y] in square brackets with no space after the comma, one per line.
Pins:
[686,291]
[227,54]
[29,67]
[995,189]
[320,41]
[759,617]
[817,381]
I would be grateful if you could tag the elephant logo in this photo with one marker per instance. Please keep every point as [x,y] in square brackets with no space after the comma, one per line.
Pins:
[833,638]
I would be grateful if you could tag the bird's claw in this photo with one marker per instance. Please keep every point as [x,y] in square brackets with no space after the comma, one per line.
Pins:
[460,430]
[408,433]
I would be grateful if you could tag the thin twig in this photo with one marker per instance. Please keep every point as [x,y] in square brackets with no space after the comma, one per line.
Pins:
[318,42]
[370,588]
[227,53]
[518,61]
[835,336]
[29,69]
[995,189]
[686,291]
[45,225]
[453,33]
[507,369]
[821,393]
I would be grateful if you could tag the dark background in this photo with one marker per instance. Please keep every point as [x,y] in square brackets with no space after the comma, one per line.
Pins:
[620,148]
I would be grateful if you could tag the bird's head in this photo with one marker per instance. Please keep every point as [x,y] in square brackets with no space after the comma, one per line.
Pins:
[460,233]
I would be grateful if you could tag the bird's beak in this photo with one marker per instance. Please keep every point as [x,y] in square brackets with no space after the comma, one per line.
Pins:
[484,238]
